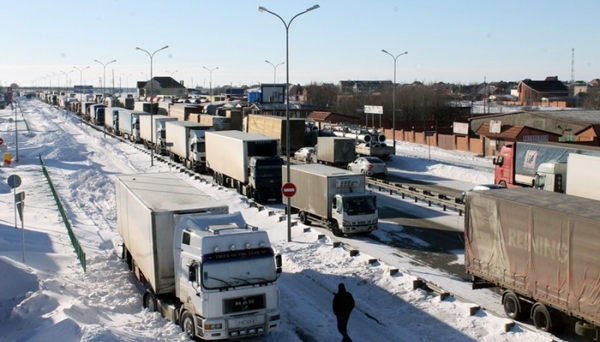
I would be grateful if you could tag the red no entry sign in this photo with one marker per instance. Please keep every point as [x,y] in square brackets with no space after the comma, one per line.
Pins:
[288,189]
[1,141]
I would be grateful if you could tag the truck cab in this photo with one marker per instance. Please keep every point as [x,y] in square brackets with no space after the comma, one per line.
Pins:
[265,174]
[551,176]
[354,213]
[227,272]
[197,148]
[504,166]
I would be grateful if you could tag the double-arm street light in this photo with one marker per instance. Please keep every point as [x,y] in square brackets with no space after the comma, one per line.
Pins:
[210,84]
[274,75]
[394,98]
[151,55]
[81,80]
[104,79]
[287,105]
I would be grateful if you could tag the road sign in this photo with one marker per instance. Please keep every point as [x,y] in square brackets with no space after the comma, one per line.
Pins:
[14,181]
[1,141]
[288,189]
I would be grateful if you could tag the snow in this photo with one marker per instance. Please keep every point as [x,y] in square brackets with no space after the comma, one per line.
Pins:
[46,296]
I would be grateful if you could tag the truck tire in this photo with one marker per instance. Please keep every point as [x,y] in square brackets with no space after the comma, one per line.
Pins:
[512,306]
[586,330]
[149,301]
[542,319]
[187,324]
[335,229]
[303,218]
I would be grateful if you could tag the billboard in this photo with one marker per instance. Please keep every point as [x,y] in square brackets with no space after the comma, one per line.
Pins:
[83,89]
[373,109]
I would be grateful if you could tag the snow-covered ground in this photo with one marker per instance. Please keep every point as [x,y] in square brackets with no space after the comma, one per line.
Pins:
[46,296]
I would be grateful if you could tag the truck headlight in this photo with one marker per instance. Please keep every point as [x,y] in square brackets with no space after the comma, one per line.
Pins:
[214,326]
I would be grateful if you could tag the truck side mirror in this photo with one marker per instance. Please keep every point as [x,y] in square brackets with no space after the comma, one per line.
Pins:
[192,272]
[278,263]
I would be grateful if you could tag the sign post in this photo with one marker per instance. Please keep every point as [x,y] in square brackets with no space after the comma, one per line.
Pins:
[429,134]
[14,182]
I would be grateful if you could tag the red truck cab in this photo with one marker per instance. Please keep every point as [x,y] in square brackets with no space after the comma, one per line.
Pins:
[504,170]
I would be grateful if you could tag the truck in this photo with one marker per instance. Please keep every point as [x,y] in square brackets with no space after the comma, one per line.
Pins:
[275,127]
[334,151]
[144,106]
[538,248]
[156,124]
[186,143]
[199,266]
[373,145]
[333,198]
[111,119]
[517,163]
[250,163]
[129,124]
[95,114]
[182,111]
[574,177]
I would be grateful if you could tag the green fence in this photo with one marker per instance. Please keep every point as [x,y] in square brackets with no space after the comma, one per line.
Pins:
[78,250]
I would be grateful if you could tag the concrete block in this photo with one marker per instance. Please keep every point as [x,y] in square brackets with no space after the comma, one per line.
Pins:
[508,326]
[393,271]
[473,309]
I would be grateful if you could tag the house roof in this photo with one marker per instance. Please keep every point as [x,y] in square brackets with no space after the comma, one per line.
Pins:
[507,132]
[594,127]
[330,116]
[549,85]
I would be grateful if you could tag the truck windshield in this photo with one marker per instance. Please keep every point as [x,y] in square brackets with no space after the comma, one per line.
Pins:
[360,205]
[238,268]
[267,171]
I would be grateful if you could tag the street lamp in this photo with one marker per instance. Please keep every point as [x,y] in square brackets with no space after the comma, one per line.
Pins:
[274,78]
[104,79]
[287,105]
[394,98]
[151,55]
[210,71]
[172,72]
[81,80]
[66,80]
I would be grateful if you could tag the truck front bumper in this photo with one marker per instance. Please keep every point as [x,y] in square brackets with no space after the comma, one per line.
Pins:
[350,228]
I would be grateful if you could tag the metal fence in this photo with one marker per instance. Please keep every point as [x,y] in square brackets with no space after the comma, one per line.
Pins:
[78,250]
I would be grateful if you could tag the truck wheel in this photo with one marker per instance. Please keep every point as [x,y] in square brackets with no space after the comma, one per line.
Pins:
[586,330]
[303,219]
[187,324]
[149,301]
[542,318]
[335,229]
[512,306]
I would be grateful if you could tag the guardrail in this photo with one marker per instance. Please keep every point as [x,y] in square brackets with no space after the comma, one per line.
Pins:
[429,196]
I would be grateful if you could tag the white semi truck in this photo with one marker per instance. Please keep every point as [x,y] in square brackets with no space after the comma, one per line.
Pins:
[186,143]
[332,197]
[156,124]
[200,267]
[577,176]
[250,163]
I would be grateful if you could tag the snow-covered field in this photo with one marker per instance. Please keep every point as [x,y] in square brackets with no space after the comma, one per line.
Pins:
[46,296]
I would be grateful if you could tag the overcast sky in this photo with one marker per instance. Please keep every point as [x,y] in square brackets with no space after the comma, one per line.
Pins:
[450,41]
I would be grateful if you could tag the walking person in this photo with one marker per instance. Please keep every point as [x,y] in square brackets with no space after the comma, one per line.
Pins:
[343,303]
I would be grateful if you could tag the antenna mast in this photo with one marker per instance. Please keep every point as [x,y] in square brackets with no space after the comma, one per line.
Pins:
[572,65]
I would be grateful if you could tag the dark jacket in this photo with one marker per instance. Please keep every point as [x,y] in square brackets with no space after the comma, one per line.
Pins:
[343,302]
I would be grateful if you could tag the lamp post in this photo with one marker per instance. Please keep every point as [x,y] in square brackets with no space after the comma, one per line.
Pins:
[81,80]
[394,98]
[287,105]
[274,78]
[151,55]
[172,72]
[210,84]
[66,79]
[104,79]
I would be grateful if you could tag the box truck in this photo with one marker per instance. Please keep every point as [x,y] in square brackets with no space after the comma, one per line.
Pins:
[199,266]
[334,151]
[156,124]
[129,124]
[275,127]
[539,248]
[186,143]
[334,198]
[250,163]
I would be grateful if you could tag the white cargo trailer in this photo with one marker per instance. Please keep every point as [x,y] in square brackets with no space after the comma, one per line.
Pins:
[332,197]
[582,176]
[176,241]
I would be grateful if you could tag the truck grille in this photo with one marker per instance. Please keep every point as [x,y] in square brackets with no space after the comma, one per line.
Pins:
[241,304]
